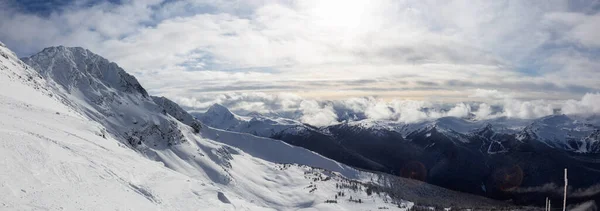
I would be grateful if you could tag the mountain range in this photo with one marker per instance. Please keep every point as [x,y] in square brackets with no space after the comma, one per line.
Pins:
[80,133]
[521,160]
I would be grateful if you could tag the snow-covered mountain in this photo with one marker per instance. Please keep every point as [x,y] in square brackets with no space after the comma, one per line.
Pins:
[171,108]
[561,131]
[557,131]
[444,147]
[218,116]
[78,132]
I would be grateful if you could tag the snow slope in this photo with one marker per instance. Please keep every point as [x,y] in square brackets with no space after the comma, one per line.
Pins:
[54,158]
[61,161]
[83,134]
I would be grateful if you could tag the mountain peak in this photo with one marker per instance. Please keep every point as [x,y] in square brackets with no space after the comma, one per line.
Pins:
[557,118]
[486,131]
[488,127]
[219,109]
[218,116]
[55,51]
[79,68]
[58,48]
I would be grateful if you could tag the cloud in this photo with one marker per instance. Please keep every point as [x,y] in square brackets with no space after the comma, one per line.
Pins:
[486,111]
[74,25]
[590,205]
[379,111]
[411,111]
[460,110]
[511,106]
[577,27]
[405,50]
[488,94]
[514,108]
[317,115]
[588,105]
[328,112]
[590,191]
[527,109]
[552,189]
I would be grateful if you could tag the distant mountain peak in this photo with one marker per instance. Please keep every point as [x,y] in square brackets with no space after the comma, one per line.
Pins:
[220,110]
[557,118]
[487,128]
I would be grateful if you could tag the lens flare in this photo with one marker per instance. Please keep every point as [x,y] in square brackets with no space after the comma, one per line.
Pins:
[508,178]
[414,170]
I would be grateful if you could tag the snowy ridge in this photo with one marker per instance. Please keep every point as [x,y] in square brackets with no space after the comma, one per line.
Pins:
[265,148]
[445,124]
[561,131]
[106,94]
[493,142]
[80,147]
[378,127]
[218,116]
[591,143]
[567,134]
[32,88]
[78,68]
[171,108]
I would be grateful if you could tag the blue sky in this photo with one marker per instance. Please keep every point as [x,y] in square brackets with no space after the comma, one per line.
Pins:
[203,51]
[46,7]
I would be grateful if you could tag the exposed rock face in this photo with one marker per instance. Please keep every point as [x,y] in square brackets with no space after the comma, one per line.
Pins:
[171,108]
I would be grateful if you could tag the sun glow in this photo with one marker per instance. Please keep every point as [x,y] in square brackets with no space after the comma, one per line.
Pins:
[340,13]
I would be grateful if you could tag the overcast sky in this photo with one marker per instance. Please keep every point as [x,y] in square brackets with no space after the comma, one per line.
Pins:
[202,51]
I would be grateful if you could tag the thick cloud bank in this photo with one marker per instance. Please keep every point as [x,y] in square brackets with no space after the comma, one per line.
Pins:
[589,104]
[328,112]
